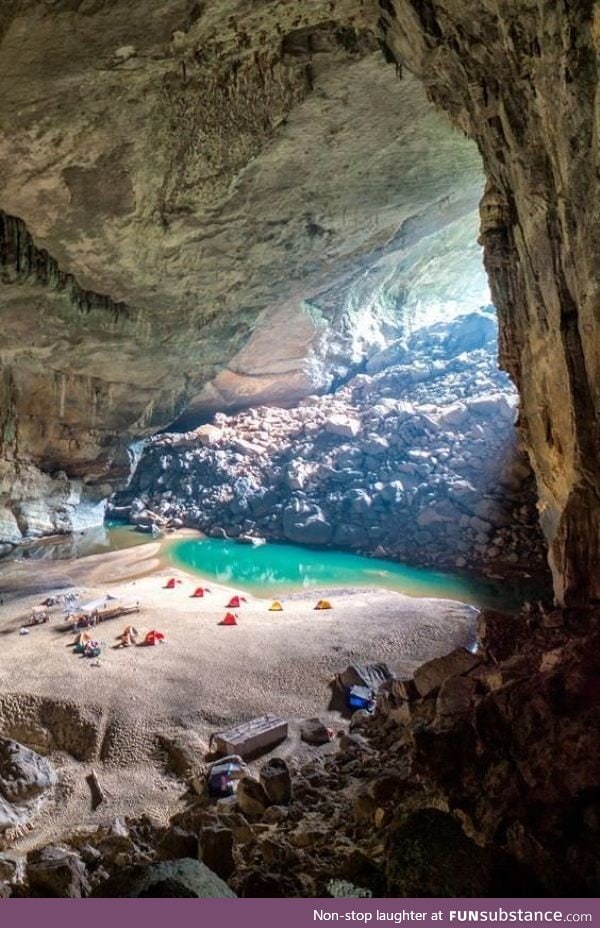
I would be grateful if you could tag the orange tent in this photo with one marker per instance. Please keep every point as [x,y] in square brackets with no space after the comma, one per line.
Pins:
[235,602]
[154,637]
[323,604]
[276,606]
[230,619]
[199,592]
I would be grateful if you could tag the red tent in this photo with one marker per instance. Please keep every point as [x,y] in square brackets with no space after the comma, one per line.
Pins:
[229,619]
[154,637]
[199,592]
[170,584]
[235,602]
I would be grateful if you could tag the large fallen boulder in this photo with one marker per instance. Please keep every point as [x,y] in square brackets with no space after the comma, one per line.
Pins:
[25,779]
[305,523]
[185,878]
[55,872]
[431,675]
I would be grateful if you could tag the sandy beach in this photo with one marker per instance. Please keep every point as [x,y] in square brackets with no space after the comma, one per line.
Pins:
[205,677]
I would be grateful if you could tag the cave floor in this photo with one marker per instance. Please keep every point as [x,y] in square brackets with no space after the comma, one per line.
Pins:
[205,678]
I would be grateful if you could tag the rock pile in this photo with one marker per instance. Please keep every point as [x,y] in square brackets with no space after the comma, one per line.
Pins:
[414,459]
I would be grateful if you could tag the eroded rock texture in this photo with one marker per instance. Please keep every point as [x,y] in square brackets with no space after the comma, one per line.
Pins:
[521,79]
[204,206]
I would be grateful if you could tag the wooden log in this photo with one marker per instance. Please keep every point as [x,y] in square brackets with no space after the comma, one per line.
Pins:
[96,790]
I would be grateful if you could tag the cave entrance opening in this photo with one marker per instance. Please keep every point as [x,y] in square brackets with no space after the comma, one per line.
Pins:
[414,459]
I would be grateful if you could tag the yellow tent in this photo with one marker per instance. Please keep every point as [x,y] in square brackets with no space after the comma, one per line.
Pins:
[276,606]
[323,604]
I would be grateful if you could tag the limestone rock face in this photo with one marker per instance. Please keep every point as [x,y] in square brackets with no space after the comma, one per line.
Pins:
[202,207]
[521,79]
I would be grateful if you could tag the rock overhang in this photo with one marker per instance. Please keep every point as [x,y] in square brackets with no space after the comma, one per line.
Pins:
[228,193]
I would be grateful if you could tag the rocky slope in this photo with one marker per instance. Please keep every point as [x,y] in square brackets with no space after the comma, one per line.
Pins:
[522,80]
[415,459]
[203,206]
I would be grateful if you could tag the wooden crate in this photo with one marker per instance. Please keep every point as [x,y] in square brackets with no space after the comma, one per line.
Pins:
[251,737]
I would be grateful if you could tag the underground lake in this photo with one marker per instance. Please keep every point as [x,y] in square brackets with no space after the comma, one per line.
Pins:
[276,569]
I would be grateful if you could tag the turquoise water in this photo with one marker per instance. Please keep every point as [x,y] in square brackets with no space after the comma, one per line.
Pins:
[271,570]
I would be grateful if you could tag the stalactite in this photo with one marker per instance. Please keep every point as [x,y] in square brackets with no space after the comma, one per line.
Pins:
[21,260]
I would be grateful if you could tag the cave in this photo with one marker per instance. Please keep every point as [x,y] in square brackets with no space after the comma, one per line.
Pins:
[242,290]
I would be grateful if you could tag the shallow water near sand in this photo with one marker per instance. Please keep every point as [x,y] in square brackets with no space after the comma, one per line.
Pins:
[98,540]
[271,570]
[277,569]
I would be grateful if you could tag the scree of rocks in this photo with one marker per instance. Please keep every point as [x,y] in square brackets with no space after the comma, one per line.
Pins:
[415,459]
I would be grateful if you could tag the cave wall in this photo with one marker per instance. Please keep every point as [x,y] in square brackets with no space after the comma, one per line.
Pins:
[521,78]
[179,181]
[191,193]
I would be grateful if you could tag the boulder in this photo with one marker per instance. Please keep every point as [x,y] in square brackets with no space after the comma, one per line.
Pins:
[343,426]
[55,872]
[10,816]
[215,849]
[429,676]
[251,798]
[360,719]
[359,501]
[453,416]
[185,753]
[429,855]
[375,445]
[25,779]
[10,868]
[314,731]
[184,878]
[24,775]
[176,843]
[208,435]
[305,523]
[482,528]
[348,535]
[393,491]
[496,405]
[276,781]
[455,696]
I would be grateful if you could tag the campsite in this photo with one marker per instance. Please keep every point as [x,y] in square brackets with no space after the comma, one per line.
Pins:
[202,677]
